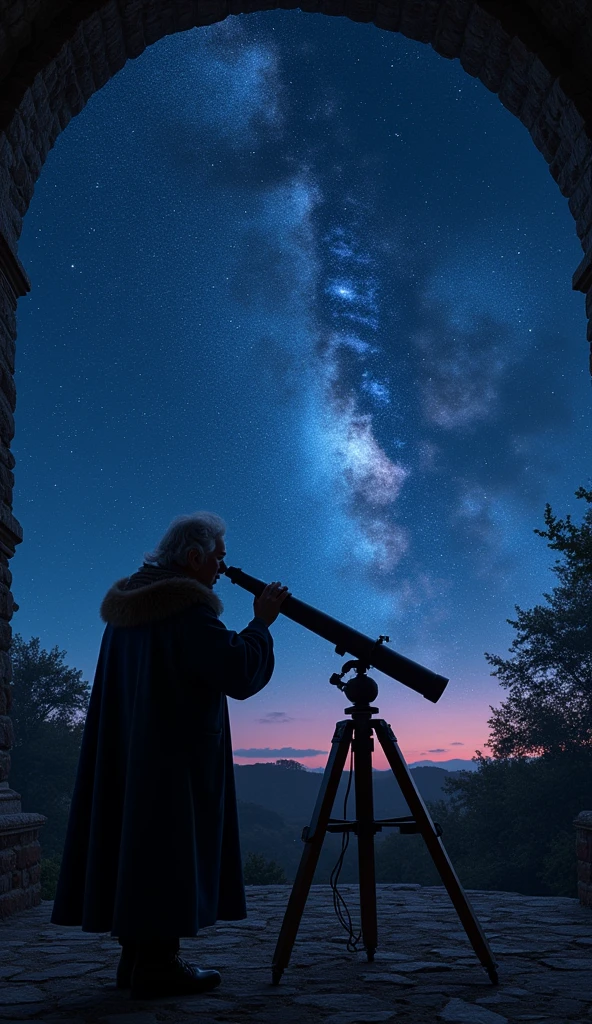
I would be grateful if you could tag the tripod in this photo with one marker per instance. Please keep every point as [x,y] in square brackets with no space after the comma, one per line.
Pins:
[357,733]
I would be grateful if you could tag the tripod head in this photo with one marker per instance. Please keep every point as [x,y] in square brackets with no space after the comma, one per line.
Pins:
[361,689]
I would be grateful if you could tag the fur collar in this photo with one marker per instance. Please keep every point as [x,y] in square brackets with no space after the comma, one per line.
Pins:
[155,601]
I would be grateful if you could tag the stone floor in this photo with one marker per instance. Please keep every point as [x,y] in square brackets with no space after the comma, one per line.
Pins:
[424,972]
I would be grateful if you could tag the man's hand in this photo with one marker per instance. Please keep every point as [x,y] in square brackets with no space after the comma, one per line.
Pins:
[267,606]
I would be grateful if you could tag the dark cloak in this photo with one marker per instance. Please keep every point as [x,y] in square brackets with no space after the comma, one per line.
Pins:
[152,846]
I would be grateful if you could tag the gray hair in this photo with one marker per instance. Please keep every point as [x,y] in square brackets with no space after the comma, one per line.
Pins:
[199,531]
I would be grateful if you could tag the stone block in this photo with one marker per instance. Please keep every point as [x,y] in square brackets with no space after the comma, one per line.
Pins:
[6,733]
[6,420]
[112,31]
[581,194]
[17,878]
[5,667]
[6,485]
[15,900]
[5,882]
[24,828]
[28,855]
[35,873]
[545,136]
[5,574]
[7,347]
[4,759]
[5,637]
[7,385]
[578,163]
[583,825]
[7,861]
[6,603]
[387,16]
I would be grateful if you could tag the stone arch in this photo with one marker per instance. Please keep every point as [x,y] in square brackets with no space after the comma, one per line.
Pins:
[535,54]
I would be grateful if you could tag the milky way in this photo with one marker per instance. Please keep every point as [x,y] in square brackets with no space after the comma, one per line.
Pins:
[315,278]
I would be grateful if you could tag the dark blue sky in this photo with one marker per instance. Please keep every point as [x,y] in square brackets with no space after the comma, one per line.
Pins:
[314,277]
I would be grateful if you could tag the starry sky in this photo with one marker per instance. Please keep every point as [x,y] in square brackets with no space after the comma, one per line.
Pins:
[313,277]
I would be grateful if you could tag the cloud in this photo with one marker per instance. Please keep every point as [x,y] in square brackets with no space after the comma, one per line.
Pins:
[378,391]
[270,752]
[365,468]
[352,342]
[220,91]
[457,743]
[274,268]
[464,371]
[438,750]
[343,245]
[381,542]
[237,84]
[275,718]
[348,291]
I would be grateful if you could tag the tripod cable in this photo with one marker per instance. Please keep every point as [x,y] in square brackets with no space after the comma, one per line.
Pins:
[339,904]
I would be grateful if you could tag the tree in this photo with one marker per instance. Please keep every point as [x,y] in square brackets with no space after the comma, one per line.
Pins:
[259,871]
[509,825]
[292,766]
[49,704]
[45,689]
[549,673]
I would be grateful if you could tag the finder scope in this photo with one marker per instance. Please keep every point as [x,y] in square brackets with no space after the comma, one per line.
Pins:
[370,652]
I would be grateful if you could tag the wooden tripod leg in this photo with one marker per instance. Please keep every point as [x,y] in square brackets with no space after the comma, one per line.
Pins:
[363,744]
[315,835]
[435,846]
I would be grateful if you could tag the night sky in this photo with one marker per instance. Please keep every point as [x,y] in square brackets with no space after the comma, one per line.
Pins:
[313,277]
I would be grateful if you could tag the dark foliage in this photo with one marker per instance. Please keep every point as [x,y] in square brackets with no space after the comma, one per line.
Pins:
[50,870]
[507,826]
[49,703]
[263,832]
[259,871]
[549,673]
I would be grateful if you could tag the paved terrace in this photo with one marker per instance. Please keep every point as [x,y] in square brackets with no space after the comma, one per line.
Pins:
[425,970]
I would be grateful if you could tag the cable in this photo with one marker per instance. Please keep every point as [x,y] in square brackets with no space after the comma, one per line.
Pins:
[339,905]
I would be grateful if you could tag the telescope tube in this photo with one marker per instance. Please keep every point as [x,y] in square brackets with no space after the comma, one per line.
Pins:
[410,673]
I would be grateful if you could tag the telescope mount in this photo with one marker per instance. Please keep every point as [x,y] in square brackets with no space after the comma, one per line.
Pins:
[357,734]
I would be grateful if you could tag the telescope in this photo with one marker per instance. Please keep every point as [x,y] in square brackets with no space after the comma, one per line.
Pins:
[369,652]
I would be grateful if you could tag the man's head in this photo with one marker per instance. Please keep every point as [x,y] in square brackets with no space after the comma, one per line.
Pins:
[194,545]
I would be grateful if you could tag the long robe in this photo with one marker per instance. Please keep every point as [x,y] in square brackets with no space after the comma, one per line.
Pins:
[152,846]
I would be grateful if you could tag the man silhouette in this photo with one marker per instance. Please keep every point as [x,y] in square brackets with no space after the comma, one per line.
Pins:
[152,848]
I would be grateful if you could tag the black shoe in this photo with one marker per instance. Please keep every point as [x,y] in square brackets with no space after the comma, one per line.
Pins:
[174,977]
[126,965]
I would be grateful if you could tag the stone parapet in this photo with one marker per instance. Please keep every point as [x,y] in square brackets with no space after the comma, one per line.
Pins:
[583,824]
[20,862]
[20,853]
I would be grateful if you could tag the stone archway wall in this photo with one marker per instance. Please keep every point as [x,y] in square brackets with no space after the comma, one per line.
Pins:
[54,54]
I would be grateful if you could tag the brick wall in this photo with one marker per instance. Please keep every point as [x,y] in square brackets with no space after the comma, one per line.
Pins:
[20,863]
[583,824]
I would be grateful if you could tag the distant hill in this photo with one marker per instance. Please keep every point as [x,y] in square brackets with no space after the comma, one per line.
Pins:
[292,793]
[456,764]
